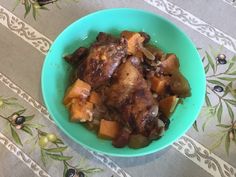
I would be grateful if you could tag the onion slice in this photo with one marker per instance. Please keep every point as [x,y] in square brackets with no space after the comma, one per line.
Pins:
[174,105]
[146,52]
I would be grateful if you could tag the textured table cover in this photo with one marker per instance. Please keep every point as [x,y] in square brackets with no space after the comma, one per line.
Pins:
[207,149]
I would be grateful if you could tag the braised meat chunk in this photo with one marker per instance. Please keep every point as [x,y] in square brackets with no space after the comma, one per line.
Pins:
[97,64]
[105,37]
[131,96]
[101,62]
[125,81]
[77,56]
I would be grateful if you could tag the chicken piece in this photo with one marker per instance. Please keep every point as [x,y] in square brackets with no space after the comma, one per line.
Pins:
[75,59]
[146,37]
[136,112]
[122,139]
[131,96]
[125,81]
[103,58]
[77,56]
[105,37]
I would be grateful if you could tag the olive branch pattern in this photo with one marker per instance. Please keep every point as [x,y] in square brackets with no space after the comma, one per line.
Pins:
[48,144]
[36,5]
[220,85]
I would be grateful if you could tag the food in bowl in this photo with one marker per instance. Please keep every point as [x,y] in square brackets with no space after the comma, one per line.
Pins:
[124,88]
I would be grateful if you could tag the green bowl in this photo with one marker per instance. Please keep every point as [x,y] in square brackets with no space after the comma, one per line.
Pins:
[55,73]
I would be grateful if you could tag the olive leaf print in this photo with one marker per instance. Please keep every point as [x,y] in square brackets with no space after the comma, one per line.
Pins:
[35,5]
[18,122]
[220,86]
[226,135]
[11,101]
[49,145]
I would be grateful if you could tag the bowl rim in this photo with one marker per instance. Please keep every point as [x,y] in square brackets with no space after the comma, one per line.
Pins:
[43,88]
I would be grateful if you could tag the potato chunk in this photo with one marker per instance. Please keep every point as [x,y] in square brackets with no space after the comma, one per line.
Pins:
[81,112]
[133,40]
[79,89]
[170,64]
[166,104]
[95,98]
[108,129]
[158,84]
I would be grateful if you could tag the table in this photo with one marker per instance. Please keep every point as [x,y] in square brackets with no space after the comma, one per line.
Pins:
[207,149]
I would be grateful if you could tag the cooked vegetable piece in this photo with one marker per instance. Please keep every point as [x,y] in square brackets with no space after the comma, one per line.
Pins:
[165,105]
[170,64]
[108,129]
[81,111]
[154,134]
[157,132]
[166,121]
[95,98]
[179,85]
[146,52]
[158,53]
[159,84]
[79,89]
[138,141]
[174,105]
[133,39]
